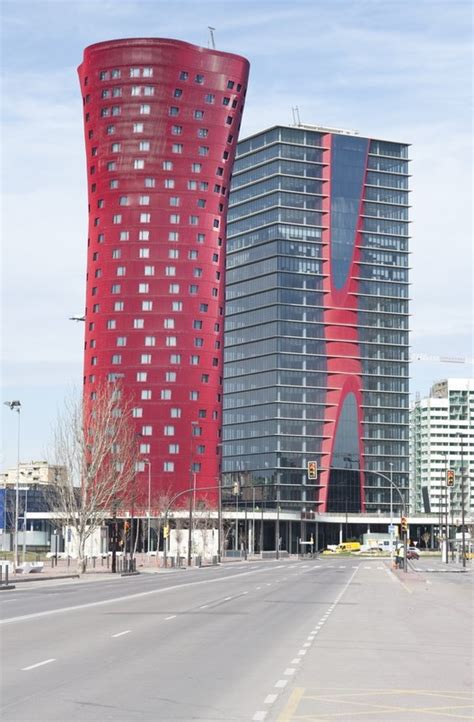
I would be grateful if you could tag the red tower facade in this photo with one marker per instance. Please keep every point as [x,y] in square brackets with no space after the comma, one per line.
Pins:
[161,124]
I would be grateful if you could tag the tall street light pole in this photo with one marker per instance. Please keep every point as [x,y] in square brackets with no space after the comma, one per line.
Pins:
[463,530]
[148,462]
[192,497]
[391,510]
[16,406]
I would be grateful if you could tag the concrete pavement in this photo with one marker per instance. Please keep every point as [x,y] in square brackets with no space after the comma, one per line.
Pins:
[328,639]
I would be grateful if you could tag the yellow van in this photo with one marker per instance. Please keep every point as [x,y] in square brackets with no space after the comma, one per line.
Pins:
[348,547]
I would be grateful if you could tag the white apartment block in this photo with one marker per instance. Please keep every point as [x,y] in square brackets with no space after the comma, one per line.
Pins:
[32,472]
[441,437]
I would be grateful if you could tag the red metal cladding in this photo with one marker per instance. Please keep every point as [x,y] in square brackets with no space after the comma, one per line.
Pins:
[342,342]
[161,120]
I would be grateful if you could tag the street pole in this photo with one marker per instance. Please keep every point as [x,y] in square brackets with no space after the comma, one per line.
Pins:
[24,525]
[190,531]
[16,406]
[463,531]
[278,527]
[219,521]
[147,461]
[253,520]
[446,540]
[391,511]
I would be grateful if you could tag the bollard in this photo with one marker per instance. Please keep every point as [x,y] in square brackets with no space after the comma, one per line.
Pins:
[93,562]
[1,573]
[69,561]
[6,575]
[52,562]
[107,561]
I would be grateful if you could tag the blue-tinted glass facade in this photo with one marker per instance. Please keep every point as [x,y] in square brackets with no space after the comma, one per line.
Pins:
[313,214]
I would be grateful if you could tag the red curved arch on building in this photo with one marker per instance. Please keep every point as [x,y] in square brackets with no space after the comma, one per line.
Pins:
[161,121]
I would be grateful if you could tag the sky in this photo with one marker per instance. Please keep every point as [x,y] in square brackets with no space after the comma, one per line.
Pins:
[395,70]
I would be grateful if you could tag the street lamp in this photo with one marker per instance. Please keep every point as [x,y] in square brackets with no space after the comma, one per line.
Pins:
[391,509]
[16,406]
[148,462]
[192,497]
[463,531]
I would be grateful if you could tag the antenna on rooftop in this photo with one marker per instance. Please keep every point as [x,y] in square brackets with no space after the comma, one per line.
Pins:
[296,115]
[211,42]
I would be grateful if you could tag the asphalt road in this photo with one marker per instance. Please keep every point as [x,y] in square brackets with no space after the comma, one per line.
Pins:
[321,640]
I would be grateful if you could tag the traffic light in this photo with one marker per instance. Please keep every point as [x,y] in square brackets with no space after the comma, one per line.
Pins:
[450,477]
[236,488]
[404,523]
[166,531]
[312,470]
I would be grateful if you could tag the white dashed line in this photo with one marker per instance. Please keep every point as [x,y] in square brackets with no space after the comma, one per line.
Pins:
[204,606]
[120,634]
[38,664]
[269,584]
[307,644]
[270,698]
[281,683]
[289,671]
[227,599]
[259,716]
[302,652]
[172,616]
[295,660]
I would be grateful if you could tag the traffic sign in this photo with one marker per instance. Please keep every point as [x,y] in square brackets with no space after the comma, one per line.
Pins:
[391,528]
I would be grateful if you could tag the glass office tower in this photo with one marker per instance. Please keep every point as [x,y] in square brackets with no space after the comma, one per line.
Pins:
[316,334]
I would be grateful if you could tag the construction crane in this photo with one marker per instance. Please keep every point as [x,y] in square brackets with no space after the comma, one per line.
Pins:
[211,42]
[441,359]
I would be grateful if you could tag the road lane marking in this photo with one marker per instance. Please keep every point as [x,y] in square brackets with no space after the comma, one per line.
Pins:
[204,606]
[270,698]
[258,587]
[307,644]
[295,660]
[227,599]
[38,664]
[289,671]
[120,634]
[302,652]
[281,683]
[289,712]
[259,716]
[125,598]
[172,616]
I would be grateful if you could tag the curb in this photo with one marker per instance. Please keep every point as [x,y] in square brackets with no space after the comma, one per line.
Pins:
[6,586]
[46,579]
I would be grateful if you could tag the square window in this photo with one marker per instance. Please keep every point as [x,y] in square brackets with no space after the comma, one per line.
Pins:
[230,84]
[147,305]
[167,165]
[196,167]
[177,306]
[143,253]
[174,218]
[147,72]
[113,184]
[173,111]
[184,75]
[144,145]
[174,201]
[138,323]
[149,90]
[144,200]
[111,323]
[110,129]
[209,98]
[168,323]
[149,270]
[143,235]
[124,235]
[136,90]
[149,182]
[193,220]
[138,127]
[138,164]
[123,201]
[177,92]
[177,148]
[197,324]
[143,288]
[169,431]
[117,218]
[174,288]
[199,114]
[145,217]
[173,236]
[175,358]
[115,73]
[147,430]
[145,448]
[199,79]
[145,358]
[150,341]
[175,413]
[170,376]
[168,466]
[119,306]
[145,109]
[177,129]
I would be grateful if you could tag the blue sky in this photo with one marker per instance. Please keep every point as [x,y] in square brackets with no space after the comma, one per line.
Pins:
[397,70]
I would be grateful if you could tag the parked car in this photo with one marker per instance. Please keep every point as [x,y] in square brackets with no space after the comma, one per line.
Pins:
[413,553]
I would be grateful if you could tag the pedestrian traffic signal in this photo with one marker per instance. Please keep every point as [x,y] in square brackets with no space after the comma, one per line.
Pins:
[450,477]
[404,523]
[312,470]
[236,488]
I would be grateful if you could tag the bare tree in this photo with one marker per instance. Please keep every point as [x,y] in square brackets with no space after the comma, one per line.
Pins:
[96,443]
